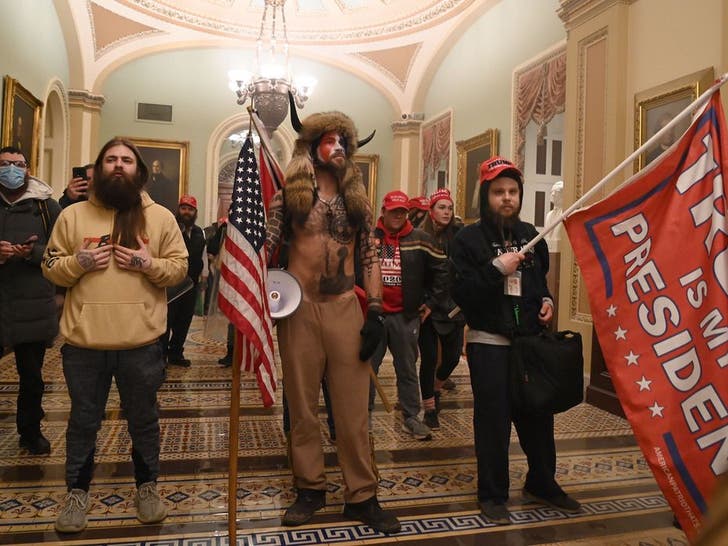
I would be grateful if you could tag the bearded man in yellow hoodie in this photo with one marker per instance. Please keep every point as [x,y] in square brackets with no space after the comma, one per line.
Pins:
[115,254]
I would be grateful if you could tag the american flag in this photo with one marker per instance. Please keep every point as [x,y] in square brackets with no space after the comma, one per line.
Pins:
[243,297]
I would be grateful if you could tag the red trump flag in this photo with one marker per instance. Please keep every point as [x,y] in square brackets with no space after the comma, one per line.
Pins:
[654,257]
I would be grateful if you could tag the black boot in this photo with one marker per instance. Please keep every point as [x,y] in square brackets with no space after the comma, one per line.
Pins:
[36,444]
[307,502]
[372,514]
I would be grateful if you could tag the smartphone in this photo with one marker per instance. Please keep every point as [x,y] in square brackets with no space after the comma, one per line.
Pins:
[79,172]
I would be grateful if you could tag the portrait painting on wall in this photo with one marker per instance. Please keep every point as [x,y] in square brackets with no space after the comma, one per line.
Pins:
[471,153]
[656,107]
[368,165]
[167,163]
[21,121]
[435,137]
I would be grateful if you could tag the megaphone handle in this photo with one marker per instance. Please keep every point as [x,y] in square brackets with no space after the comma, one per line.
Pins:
[380,391]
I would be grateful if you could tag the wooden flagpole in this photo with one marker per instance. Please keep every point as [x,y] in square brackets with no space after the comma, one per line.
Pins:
[234,434]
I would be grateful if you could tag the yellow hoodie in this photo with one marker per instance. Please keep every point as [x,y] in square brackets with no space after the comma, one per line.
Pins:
[113,308]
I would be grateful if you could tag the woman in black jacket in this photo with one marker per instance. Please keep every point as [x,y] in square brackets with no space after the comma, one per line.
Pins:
[440,223]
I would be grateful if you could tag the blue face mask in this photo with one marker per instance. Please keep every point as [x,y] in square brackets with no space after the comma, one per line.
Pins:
[12,177]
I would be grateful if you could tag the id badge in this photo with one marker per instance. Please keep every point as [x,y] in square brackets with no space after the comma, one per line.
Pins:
[512,284]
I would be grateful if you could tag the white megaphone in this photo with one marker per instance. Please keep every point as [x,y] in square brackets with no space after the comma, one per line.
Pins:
[284,293]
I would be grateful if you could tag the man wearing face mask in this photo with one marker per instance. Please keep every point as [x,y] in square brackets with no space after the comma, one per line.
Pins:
[28,318]
[180,311]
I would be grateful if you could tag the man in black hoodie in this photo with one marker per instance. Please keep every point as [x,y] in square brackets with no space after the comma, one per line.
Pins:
[181,310]
[502,292]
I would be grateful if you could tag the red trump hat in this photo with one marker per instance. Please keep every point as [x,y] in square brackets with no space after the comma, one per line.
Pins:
[421,202]
[497,166]
[396,200]
[188,200]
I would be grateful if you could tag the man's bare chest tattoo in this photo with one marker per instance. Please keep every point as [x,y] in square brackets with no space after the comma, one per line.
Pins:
[335,280]
[331,216]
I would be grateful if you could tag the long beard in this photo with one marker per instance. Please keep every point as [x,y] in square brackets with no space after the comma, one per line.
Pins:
[186,221]
[502,224]
[121,193]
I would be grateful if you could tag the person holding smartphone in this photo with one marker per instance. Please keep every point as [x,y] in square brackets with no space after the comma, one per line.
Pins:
[28,320]
[77,189]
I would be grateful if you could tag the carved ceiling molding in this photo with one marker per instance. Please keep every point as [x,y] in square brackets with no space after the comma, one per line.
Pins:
[406,128]
[408,23]
[85,99]
[110,30]
[575,12]
[390,62]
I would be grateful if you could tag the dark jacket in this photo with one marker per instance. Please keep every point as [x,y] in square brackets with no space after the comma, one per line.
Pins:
[442,323]
[424,270]
[477,286]
[195,244]
[66,201]
[27,304]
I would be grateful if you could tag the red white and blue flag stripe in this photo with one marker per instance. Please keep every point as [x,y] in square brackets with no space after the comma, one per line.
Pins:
[243,273]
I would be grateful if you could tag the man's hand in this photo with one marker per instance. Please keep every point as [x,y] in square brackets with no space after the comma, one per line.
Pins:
[77,188]
[510,261]
[133,260]
[93,259]
[23,250]
[424,312]
[371,334]
[6,251]
[546,313]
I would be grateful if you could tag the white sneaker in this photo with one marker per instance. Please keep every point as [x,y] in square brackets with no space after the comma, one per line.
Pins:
[72,517]
[150,508]
[417,429]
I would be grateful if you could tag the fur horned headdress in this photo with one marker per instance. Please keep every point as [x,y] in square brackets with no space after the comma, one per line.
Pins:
[300,188]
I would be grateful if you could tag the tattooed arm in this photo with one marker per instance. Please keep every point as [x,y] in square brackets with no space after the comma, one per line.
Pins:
[371,274]
[274,225]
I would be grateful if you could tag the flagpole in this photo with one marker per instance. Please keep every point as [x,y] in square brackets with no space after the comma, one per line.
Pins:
[697,103]
[263,134]
[233,436]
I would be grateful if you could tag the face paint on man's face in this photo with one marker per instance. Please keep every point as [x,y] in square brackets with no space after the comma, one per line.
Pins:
[331,148]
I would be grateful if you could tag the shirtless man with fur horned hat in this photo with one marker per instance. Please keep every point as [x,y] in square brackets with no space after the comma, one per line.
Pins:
[322,213]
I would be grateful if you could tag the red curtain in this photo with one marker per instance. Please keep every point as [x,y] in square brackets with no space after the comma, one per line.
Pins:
[540,95]
[435,147]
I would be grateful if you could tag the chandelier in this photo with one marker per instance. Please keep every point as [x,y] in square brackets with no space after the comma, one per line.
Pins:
[269,86]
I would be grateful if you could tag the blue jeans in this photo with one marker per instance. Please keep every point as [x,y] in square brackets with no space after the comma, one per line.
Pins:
[138,374]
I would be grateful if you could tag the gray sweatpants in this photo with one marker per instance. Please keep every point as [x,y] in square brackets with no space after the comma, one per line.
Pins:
[400,335]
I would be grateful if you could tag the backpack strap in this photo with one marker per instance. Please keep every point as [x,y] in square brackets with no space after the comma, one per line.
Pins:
[45,217]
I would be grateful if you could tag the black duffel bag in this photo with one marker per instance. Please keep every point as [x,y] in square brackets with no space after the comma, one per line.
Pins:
[546,372]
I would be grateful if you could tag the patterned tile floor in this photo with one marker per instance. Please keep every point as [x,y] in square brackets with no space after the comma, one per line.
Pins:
[430,485]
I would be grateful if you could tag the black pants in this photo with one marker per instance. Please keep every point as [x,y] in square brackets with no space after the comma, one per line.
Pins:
[492,428]
[451,344]
[29,362]
[179,318]
[138,374]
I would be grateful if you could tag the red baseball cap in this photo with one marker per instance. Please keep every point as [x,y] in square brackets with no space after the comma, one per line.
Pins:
[395,200]
[188,200]
[421,202]
[492,168]
[442,193]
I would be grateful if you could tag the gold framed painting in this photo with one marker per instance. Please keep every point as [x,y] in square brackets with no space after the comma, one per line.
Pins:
[471,153]
[369,165]
[655,107]
[167,163]
[21,121]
